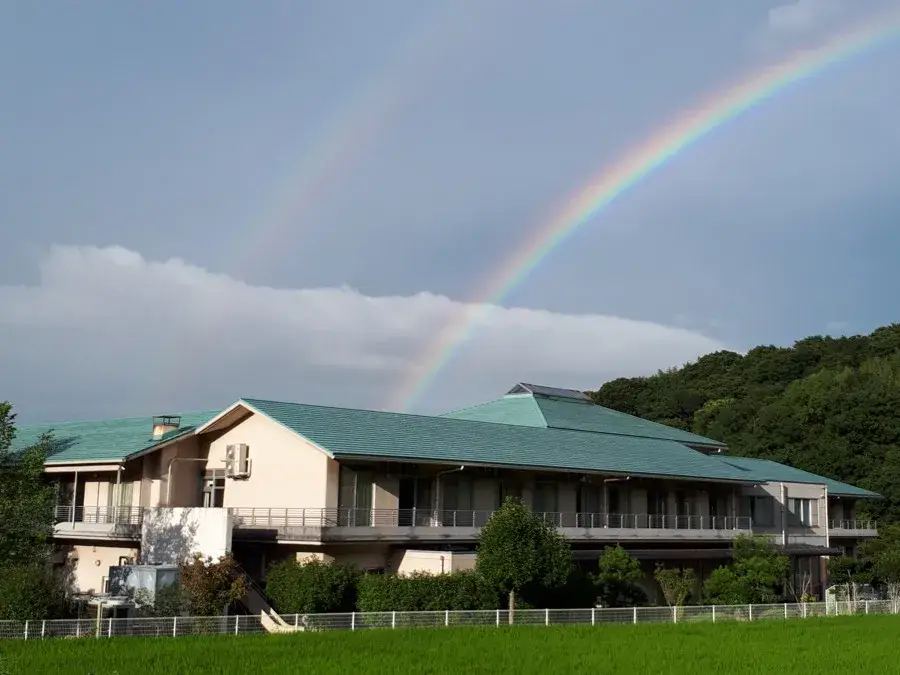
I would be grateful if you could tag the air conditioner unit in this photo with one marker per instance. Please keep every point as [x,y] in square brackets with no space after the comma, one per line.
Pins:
[237,460]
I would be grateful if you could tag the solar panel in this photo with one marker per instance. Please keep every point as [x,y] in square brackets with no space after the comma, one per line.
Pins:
[556,392]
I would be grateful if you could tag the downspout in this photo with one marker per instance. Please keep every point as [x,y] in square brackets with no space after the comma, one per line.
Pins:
[74,498]
[783,515]
[437,490]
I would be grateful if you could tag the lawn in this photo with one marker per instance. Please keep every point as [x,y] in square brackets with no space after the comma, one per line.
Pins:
[845,645]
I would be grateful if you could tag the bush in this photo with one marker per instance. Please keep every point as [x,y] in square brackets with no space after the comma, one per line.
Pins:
[311,587]
[29,592]
[425,592]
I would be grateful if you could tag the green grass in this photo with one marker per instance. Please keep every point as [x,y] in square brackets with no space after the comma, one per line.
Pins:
[845,645]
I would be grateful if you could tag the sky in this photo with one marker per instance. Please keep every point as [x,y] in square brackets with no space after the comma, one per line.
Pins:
[291,200]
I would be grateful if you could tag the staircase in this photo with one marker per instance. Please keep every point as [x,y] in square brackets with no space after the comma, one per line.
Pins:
[256,602]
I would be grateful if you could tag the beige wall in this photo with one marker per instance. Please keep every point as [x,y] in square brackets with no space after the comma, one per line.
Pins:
[431,562]
[286,470]
[91,562]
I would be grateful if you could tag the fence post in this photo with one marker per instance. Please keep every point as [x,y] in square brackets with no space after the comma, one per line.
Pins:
[109,628]
[593,612]
[353,621]
[546,617]
[750,613]
[498,617]
[237,624]
[714,613]
[785,611]
[43,629]
[867,606]
[26,630]
[804,610]
[674,613]
[446,617]
[393,619]
[174,626]
[296,620]
[635,614]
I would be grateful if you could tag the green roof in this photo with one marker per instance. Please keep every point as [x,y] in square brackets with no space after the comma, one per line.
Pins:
[106,440]
[765,470]
[396,436]
[569,413]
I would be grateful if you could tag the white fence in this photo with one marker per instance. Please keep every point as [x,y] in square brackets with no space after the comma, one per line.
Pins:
[240,625]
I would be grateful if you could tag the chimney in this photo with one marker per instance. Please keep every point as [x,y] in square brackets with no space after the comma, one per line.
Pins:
[163,424]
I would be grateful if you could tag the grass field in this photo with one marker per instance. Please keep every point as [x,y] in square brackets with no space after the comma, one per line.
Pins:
[846,645]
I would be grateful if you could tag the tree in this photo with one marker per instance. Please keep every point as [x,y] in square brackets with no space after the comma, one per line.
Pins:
[676,584]
[26,500]
[516,548]
[851,573]
[757,574]
[618,578]
[208,586]
[28,587]
[311,586]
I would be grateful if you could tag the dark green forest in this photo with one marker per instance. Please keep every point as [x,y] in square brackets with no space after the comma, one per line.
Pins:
[827,405]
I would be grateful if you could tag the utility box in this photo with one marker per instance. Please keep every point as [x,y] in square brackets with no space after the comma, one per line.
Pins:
[237,460]
[128,579]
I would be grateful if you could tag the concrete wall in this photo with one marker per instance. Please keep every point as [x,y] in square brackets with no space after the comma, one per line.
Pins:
[90,564]
[172,535]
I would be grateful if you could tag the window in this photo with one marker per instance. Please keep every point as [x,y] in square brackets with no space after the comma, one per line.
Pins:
[760,510]
[801,512]
[545,498]
[214,488]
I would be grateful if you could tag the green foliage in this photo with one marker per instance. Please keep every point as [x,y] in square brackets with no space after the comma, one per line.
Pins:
[425,592]
[517,549]
[618,578]
[757,574]
[826,405]
[208,586]
[677,584]
[26,500]
[29,591]
[311,586]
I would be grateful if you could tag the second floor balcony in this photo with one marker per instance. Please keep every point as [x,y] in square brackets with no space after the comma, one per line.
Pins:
[428,525]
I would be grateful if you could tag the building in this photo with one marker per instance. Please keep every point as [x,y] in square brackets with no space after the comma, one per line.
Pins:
[399,492]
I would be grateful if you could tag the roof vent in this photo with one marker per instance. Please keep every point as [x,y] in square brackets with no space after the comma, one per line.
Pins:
[163,424]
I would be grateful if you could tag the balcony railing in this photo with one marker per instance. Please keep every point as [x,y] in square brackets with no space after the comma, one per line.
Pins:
[853,525]
[100,515]
[323,518]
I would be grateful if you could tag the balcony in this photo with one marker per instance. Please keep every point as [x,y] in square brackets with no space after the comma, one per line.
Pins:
[853,528]
[98,522]
[435,526]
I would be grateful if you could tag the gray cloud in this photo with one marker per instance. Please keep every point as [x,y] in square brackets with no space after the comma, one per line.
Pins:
[106,331]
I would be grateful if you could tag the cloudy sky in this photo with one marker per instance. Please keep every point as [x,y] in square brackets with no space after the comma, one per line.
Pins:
[301,200]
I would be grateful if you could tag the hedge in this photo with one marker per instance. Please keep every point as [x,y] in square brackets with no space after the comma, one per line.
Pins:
[311,587]
[425,592]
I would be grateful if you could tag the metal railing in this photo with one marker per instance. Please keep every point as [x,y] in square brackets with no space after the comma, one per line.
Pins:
[100,515]
[277,518]
[853,525]
[241,625]
[322,518]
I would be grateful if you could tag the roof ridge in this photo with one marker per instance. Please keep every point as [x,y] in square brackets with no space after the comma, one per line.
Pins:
[115,419]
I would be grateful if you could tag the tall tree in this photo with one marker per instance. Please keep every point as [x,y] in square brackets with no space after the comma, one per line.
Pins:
[26,500]
[517,549]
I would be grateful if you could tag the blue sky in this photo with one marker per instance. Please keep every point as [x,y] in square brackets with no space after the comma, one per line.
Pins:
[207,200]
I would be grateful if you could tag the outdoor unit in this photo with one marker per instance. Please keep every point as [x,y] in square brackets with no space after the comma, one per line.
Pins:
[237,460]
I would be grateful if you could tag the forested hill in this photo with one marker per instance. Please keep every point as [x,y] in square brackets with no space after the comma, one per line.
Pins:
[826,405]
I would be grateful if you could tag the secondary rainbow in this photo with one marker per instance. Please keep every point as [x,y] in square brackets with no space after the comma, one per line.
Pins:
[628,170]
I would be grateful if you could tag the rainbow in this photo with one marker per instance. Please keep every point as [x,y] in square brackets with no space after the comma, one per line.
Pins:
[633,166]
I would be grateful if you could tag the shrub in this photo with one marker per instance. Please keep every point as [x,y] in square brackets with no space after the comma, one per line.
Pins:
[425,592]
[311,586]
[617,579]
[28,592]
